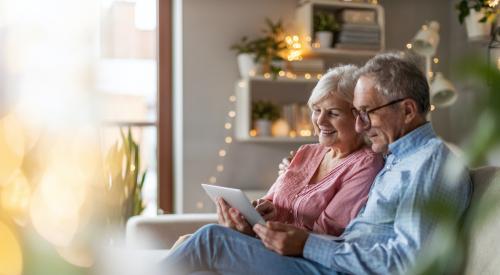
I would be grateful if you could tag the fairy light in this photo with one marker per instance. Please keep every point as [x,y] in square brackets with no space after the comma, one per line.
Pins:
[294,47]
[252,73]
[228,125]
[241,84]
[409,46]
[253,133]
[318,76]
[436,60]
[493,3]
[281,73]
[212,180]
[232,98]
[228,140]
[220,168]
[232,114]
[267,75]
[433,107]
[292,133]
[307,76]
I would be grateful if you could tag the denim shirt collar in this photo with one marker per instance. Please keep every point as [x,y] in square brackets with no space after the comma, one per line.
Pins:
[412,140]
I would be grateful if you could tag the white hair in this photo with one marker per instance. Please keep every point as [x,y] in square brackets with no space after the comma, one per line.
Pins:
[339,80]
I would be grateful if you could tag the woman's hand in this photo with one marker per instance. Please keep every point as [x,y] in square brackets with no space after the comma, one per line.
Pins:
[265,208]
[285,163]
[282,238]
[232,218]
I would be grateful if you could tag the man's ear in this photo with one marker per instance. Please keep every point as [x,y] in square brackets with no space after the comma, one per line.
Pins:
[410,110]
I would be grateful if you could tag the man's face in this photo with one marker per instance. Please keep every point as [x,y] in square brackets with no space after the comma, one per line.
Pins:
[387,124]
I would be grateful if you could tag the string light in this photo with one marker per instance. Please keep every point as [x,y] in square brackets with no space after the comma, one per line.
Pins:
[307,76]
[433,107]
[222,153]
[220,168]
[409,46]
[227,126]
[319,76]
[212,180]
[241,84]
[281,73]
[436,60]
[231,114]
[267,75]
[232,98]
[228,140]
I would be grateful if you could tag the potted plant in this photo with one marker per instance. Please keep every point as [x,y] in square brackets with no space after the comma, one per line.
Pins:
[245,49]
[324,26]
[478,16]
[269,49]
[263,114]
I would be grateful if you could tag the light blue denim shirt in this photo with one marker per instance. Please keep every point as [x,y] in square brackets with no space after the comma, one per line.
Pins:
[391,229]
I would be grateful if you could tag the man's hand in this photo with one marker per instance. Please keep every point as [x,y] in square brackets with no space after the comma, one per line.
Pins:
[284,239]
[232,218]
[265,208]
[285,163]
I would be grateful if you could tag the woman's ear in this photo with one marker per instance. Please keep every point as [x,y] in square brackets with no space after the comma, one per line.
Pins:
[410,110]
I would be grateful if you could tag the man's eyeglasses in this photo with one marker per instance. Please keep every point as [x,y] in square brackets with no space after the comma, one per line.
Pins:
[364,115]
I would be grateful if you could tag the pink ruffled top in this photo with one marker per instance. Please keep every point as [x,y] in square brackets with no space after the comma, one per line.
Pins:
[326,206]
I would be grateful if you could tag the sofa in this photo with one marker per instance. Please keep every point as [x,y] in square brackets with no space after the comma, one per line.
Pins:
[159,233]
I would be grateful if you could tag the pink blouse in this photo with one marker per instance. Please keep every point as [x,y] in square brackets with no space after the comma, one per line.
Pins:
[328,205]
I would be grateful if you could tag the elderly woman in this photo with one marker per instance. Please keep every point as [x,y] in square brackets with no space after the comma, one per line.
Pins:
[326,184]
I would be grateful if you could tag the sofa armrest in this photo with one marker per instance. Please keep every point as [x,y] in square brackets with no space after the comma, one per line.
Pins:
[162,231]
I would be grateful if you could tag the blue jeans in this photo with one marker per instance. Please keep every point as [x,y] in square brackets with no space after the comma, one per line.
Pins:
[226,251]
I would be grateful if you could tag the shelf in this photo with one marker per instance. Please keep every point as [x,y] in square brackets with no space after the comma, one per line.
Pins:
[278,139]
[302,79]
[343,52]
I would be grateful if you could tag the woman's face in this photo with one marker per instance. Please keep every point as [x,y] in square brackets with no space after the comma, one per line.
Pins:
[334,123]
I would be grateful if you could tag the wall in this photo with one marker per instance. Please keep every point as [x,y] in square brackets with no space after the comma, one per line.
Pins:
[210,71]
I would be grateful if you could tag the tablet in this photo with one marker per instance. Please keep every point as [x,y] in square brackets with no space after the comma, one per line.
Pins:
[236,199]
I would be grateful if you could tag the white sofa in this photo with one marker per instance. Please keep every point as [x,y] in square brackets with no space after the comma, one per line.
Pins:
[162,231]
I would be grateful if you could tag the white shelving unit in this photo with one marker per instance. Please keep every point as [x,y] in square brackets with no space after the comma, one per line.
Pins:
[284,90]
[280,91]
[304,19]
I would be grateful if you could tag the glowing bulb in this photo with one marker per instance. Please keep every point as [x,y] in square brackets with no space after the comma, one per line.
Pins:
[436,60]
[308,39]
[212,180]
[307,76]
[433,107]
[232,98]
[319,76]
[241,84]
[430,74]
[132,167]
[409,46]
[281,73]
[316,45]
[220,168]
[267,75]
[228,139]
[227,125]
[305,133]
[199,205]
[295,38]
[231,114]
[292,134]
[253,133]
[252,73]
[222,153]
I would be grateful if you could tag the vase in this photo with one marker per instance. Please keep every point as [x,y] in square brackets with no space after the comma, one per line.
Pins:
[477,31]
[246,64]
[263,127]
[324,39]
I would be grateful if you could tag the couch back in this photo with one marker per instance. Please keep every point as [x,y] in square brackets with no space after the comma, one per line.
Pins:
[484,255]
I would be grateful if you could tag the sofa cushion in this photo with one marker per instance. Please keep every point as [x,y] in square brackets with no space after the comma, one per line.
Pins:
[485,242]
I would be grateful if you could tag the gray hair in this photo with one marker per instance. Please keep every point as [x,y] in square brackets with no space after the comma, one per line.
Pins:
[397,77]
[340,80]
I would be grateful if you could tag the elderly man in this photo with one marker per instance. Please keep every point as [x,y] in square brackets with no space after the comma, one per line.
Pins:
[391,102]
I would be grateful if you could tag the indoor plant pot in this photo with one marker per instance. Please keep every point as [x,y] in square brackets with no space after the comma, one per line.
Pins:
[324,39]
[477,30]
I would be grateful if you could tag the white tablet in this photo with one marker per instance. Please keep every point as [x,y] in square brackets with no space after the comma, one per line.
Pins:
[237,199]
